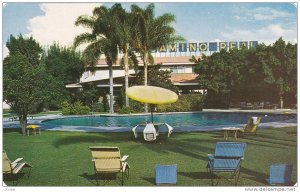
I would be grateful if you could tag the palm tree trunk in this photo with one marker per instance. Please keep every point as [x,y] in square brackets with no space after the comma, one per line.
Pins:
[111,90]
[126,68]
[146,76]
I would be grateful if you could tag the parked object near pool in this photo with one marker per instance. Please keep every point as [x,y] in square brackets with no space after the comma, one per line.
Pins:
[252,125]
[151,95]
[151,131]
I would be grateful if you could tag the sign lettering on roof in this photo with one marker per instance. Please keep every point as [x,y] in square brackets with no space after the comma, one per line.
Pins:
[205,46]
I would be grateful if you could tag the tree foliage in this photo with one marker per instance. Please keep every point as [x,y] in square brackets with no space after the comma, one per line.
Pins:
[159,78]
[66,66]
[64,63]
[264,73]
[26,83]
[150,33]
[101,39]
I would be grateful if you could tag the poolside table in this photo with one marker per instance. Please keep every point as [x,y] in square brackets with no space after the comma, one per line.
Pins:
[227,130]
[33,128]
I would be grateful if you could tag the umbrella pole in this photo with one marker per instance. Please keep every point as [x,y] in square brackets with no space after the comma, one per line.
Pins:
[151,108]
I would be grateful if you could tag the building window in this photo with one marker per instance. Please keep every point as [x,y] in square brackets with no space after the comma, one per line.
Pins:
[181,69]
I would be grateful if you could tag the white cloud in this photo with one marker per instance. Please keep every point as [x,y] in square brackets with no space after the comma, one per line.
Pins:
[58,23]
[266,13]
[216,40]
[5,51]
[268,34]
[237,17]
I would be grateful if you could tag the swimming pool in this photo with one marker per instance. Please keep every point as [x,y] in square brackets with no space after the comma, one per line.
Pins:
[177,120]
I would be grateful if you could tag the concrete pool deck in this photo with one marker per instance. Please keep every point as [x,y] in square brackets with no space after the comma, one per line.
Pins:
[7,123]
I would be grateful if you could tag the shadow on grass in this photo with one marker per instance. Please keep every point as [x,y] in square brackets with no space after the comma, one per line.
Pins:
[195,175]
[269,141]
[92,138]
[150,180]
[102,179]
[14,180]
[12,130]
[189,147]
[89,177]
[256,176]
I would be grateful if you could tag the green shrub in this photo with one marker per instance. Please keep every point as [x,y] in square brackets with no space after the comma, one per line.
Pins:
[98,107]
[136,107]
[66,108]
[74,109]
[187,102]
[125,110]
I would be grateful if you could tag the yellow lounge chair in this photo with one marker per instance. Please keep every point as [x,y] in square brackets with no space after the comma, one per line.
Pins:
[108,160]
[252,125]
[15,167]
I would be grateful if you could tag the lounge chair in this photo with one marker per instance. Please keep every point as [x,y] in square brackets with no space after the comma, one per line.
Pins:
[227,158]
[259,105]
[108,160]
[252,125]
[166,174]
[243,105]
[280,174]
[249,105]
[15,167]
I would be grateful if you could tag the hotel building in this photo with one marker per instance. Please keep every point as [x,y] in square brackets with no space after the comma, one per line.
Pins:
[173,57]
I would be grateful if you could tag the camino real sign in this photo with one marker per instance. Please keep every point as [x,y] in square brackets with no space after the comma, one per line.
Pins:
[205,46]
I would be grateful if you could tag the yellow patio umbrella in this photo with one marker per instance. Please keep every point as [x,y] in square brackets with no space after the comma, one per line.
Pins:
[151,95]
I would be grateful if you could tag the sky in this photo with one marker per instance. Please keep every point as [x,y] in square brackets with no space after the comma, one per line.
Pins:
[195,21]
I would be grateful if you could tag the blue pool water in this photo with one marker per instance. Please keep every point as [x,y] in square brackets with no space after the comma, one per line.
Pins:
[183,119]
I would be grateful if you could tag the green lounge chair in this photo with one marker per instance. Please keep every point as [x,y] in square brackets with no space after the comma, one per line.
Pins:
[252,125]
[14,168]
[108,160]
[227,158]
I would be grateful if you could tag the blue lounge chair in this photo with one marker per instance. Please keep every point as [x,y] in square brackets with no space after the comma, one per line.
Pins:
[280,174]
[227,158]
[166,174]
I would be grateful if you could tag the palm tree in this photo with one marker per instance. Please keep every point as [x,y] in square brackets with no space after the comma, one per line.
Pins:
[124,33]
[101,40]
[150,33]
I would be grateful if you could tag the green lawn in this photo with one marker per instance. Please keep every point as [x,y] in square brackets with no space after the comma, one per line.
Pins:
[64,159]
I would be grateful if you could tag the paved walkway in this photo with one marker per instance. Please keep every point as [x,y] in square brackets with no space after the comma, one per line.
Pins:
[7,123]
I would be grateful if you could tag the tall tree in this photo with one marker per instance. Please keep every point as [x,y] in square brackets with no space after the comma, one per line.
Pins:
[150,33]
[66,65]
[281,66]
[124,34]
[264,73]
[25,77]
[101,40]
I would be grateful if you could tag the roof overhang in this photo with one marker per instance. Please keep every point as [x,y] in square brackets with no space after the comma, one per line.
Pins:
[107,85]
[70,86]
[77,85]
[185,84]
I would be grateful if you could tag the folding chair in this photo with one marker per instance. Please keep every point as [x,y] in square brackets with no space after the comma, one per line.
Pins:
[280,174]
[14,168]
[227,158]
[108,160]
[166,174]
